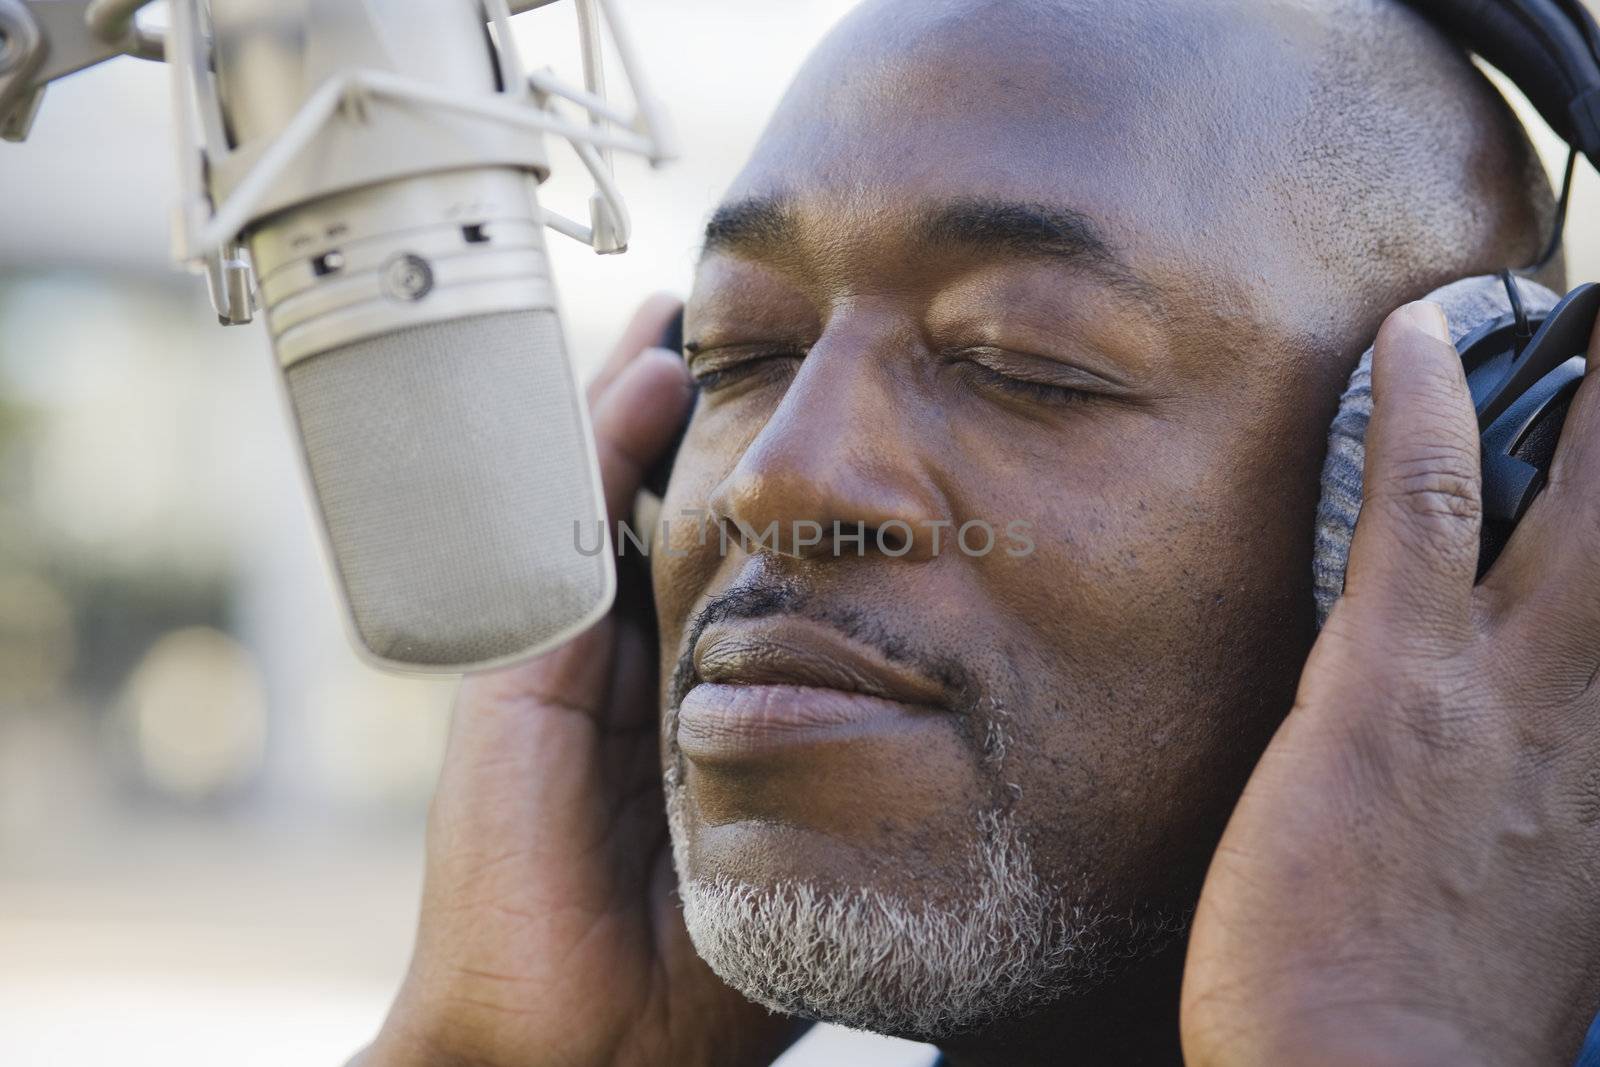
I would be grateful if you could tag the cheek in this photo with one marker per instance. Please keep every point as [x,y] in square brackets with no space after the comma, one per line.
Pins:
[687,556]
[1156,537]
[1176,614]
[683,560]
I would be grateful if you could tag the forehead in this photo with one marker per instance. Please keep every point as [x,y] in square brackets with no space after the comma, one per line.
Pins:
[1120,114]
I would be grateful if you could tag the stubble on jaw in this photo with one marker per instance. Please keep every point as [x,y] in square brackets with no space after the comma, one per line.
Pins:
[870,960]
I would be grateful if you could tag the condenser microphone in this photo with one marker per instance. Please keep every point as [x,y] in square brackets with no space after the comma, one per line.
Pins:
[367,172]
[405,283]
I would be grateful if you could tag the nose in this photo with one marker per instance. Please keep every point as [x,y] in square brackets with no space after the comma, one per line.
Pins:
[838,470]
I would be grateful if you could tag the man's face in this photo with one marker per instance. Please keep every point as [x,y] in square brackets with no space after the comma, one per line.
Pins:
[966,282]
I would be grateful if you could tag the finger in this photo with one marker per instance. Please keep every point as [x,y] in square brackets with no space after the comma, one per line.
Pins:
[644,331]
[636,419]
[1415,550]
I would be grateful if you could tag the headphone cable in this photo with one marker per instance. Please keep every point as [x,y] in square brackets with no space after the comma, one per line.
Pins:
[1524,327]
[1559,231]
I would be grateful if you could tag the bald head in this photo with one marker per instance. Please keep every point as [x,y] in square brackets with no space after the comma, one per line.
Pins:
[1342,148]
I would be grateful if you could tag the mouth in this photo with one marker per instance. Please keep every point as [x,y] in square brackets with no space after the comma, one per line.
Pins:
[775,686]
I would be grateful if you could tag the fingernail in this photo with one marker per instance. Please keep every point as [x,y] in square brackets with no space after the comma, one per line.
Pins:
[1428,317]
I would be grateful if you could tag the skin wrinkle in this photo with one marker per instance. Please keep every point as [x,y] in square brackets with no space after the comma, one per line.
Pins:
[1281,172]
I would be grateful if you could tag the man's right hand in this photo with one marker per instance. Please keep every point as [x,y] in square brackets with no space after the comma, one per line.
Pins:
[550,931]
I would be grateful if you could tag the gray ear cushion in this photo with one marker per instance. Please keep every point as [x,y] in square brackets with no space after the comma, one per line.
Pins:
[1468,304]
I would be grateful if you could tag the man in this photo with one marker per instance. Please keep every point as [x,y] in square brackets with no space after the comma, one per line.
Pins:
[1101,270]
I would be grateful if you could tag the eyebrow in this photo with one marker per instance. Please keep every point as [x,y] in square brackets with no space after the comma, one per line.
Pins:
[1018,228]
[750,225]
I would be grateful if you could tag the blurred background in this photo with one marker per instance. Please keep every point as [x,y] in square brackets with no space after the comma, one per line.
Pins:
[210,810]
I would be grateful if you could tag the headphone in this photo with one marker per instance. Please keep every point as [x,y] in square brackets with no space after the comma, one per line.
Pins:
[1523,367]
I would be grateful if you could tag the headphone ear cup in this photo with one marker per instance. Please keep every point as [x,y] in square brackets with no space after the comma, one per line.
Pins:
[1483,327]
[1522,387]
[1518,449]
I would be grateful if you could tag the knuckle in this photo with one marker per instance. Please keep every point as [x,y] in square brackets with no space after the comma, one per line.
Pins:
[1586,797]
[1442,479]
[1436,492]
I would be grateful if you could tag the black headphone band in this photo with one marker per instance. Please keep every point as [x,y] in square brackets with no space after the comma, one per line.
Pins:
[1549,48]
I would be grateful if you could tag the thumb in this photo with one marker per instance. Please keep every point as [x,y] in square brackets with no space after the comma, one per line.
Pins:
[635,419]
[1415,551]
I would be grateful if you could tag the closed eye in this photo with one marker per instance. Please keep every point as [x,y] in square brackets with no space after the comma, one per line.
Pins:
[1033,379]
[1037,392]
[715,369]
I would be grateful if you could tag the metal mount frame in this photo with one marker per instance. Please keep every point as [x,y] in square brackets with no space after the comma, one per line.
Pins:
[48,40]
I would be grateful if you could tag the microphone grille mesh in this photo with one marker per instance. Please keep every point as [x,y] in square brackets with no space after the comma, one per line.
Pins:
[452,474]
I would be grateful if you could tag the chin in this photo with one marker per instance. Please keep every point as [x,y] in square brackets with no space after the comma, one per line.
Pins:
[891,803]
[982,939]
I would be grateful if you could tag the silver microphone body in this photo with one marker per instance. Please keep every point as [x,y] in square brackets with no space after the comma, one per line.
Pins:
[406,285]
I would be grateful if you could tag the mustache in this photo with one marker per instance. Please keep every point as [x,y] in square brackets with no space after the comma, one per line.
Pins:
[764,599]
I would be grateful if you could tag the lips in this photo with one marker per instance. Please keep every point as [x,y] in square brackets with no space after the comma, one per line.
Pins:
[797,652]
[774,686]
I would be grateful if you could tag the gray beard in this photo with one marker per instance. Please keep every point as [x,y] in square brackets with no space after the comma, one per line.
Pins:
[914,969]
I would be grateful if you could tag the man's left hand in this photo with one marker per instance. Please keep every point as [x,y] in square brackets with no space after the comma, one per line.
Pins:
[1412,875]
